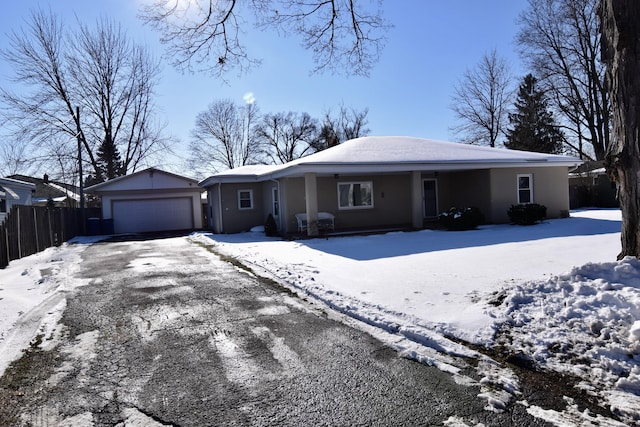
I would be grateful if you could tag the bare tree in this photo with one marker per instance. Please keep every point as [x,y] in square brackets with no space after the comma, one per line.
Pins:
[16,158]
[97,72]
[287,136]
[560,42]
[347,124]
[224,137]
[481,100]
[621,53]
[205,34]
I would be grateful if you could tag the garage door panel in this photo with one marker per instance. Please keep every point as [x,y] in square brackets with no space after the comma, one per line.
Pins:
[143,215]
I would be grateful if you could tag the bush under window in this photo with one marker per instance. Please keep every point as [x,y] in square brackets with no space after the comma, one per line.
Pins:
[527,213]
[458,219]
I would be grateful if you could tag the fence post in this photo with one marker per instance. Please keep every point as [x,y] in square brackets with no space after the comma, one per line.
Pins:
[50,229]
[35,227]
[4,257]
[63,234]
[6,240]
[19,235]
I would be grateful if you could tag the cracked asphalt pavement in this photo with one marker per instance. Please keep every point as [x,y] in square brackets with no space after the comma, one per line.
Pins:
[168,333]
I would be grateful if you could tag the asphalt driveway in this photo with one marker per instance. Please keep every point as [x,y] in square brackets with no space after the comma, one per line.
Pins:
[167,333]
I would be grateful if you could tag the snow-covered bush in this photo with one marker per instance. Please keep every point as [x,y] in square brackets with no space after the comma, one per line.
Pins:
[461,218]
[527,213]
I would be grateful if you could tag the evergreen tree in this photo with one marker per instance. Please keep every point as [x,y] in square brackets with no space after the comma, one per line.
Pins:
[532,125]
[108,159]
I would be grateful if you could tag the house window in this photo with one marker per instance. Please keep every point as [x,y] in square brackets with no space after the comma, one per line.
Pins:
[525,188]
[355,195]
[245,199]
[276,201]
[3,205]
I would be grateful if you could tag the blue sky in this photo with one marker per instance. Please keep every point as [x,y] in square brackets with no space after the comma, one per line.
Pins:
[408,92]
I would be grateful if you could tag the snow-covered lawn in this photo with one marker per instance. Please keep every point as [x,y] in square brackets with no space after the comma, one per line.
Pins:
[554,288]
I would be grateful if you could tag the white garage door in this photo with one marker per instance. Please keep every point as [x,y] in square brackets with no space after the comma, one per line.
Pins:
[135,216]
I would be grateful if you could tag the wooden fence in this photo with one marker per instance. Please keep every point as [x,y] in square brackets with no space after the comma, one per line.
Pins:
[30,229]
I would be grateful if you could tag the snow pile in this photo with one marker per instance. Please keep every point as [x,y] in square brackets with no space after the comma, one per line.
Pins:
[32,296]
[585,323]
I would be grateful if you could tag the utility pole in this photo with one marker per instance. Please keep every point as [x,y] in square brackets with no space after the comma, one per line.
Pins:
[81,179]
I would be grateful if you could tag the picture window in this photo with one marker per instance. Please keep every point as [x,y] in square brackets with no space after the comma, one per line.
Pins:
[355,195]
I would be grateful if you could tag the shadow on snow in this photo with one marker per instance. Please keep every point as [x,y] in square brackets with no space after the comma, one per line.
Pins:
[394,244]
[363,248]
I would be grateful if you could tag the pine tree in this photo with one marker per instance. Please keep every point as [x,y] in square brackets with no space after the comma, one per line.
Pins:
[532,125]
[109,163]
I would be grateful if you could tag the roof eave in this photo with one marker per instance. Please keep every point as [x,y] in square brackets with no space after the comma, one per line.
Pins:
[15,183]
[382,167]
[229,179]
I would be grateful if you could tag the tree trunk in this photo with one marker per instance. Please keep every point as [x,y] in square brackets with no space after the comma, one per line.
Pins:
[621,53]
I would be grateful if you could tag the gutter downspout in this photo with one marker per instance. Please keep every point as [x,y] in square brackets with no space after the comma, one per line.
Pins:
[220,206]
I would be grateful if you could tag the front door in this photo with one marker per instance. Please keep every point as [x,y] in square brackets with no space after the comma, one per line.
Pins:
[430,197]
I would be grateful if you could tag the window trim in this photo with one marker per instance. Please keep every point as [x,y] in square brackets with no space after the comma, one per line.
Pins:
[240,199]
[530,188]
[351,184]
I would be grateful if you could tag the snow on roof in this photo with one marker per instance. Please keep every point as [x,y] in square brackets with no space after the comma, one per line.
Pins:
[246,173]
[36,200]
[16,182]
[402,149]
[69,193]
[252,170]
[396,154]
[593,172]
[151,170]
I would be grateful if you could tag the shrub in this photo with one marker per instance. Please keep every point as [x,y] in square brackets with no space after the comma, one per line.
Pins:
[527,213]
[461,218]
[270,227]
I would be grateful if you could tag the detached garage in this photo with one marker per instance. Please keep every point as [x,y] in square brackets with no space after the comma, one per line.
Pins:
[150,200]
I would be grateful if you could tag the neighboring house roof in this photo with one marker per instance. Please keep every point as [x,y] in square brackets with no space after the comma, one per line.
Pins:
[380,154]
[143,180]
[7,186]
[46,189]
[592,168]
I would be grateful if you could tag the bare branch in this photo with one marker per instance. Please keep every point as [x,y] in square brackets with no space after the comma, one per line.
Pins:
[224,137]
[481,100]
[559,40]
[287,136]
[200,35]
[347,124]
[204,35]
[342,34]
